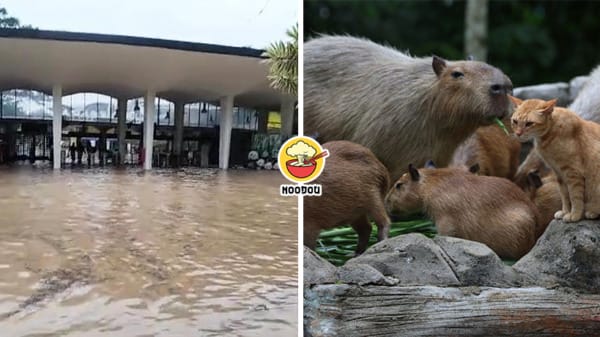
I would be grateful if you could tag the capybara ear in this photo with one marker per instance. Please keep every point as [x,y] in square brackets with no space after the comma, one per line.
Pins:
[474,168]
[549,107]
[414,173]
[430,164]
[516,101]
[439,64]
[534,179]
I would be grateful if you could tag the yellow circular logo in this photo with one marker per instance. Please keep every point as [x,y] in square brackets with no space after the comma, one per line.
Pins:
[301,159]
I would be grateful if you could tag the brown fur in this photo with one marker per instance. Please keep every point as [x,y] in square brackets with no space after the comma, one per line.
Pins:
[545,194]
[489,210]
[570,146]
[404,109]
[532,163]
[354,184]
[496,152]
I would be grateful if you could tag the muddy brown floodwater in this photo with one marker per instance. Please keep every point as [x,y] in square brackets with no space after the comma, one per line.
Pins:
[166,253]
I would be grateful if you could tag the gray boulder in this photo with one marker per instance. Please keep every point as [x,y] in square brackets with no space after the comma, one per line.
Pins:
[547,91]
[412,259]
[363,274]
[567,255]
[475,264]
[317,270]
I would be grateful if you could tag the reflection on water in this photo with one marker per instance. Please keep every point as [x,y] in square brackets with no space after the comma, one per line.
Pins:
[167,253]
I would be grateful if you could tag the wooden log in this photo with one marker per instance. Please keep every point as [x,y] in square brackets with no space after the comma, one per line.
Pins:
[349,310]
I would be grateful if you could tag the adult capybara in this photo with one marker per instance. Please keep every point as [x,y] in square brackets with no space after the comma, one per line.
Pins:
[496,152]
[490,210]
[404,109]
[545,194]
[354,184]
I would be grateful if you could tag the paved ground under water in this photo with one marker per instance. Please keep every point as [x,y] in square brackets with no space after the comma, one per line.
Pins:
[168,253]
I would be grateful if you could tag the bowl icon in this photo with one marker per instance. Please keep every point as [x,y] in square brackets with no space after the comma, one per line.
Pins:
[301,171]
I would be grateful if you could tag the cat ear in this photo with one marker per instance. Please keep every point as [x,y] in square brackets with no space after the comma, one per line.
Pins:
[474,168]
[516,101]
[414,173]
[549,107]
[438,64]
[430,164]
[534,179]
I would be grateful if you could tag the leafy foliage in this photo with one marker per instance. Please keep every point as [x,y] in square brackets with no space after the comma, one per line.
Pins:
[283,61]
[531,41]
[337,245]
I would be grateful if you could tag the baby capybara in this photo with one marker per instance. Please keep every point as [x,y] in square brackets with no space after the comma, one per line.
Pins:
[545,194]
[354,184]
[403,108]
[490,210]
[532,163]
[496,153]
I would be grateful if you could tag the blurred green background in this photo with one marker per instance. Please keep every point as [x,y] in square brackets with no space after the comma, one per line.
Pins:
[531,41]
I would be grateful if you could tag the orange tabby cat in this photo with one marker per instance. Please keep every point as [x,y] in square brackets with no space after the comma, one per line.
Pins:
[571,148]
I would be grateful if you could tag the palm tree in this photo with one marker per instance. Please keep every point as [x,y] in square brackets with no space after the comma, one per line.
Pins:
[282,58]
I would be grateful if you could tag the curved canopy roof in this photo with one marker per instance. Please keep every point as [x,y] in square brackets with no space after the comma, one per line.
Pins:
[125,67]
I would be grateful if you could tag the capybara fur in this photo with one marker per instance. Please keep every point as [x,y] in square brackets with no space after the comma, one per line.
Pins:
[496,152]
[354,184]
[404,109]
[532,163]
[490,210]
[587,102]
[545,194]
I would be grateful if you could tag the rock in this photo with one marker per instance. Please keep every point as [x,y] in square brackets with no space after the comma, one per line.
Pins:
[475,264]
[363,274]
[567,254]
[412,259]
[546,92]
[317,270]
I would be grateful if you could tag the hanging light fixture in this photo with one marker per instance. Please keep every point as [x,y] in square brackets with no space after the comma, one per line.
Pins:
[204,108]
[136,109]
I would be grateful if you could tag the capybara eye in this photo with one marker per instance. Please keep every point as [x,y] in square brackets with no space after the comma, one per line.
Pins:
[528,124]
[398,186]
[457,74]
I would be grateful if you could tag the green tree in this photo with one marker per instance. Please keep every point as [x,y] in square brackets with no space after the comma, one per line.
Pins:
[282,58]
[7,21]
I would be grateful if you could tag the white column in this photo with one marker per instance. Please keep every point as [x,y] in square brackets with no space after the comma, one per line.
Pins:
[225,131]
[121,128]
[287,116]
[56,124]
[178,137]
[148,128]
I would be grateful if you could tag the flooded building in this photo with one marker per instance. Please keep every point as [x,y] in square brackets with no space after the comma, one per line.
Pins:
[131,100]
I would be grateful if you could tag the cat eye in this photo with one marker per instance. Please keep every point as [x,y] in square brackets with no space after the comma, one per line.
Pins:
[514,121]
[528,124]
[457,74]
[398,186]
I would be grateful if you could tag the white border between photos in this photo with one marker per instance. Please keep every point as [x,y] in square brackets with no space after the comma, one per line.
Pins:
[300,198]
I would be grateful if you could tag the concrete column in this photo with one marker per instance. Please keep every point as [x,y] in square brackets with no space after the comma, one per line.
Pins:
[122,128]
[148,128]
[56,124]
[288,104]
[178,136]
[225,131]
[263,121]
